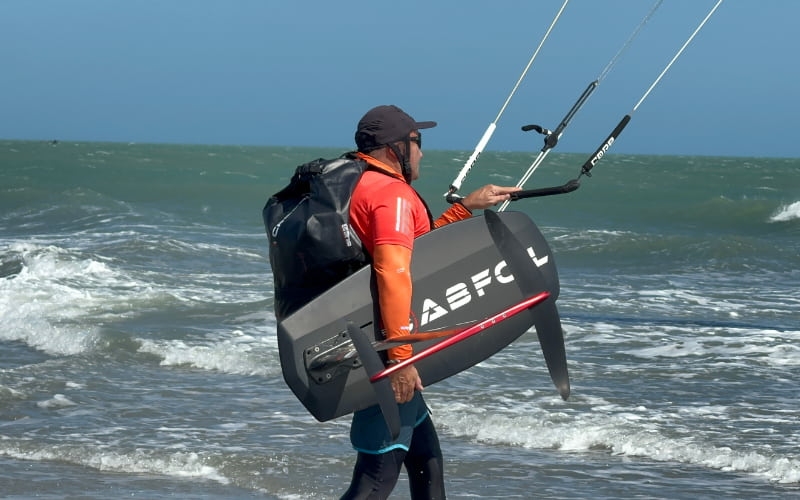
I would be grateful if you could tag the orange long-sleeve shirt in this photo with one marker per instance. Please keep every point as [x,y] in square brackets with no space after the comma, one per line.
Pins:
[387,215]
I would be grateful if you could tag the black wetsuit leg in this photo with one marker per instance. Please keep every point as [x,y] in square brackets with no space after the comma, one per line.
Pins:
[424,463]
[375,476]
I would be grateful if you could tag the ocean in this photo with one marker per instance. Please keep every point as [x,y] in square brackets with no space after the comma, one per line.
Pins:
[138,353]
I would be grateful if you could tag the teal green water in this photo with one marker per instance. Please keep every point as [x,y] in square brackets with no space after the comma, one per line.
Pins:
[734,211]
[700,192]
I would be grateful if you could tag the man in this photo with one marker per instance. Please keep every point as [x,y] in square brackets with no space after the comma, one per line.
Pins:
[387,214]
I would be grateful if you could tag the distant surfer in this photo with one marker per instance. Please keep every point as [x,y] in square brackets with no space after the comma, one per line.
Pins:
[387,214]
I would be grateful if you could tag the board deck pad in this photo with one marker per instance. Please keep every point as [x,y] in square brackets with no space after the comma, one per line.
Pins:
[459,278]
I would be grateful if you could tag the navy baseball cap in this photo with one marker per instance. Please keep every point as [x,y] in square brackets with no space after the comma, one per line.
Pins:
[383,125]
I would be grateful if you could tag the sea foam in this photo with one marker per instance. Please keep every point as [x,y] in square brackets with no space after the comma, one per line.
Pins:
[786,213]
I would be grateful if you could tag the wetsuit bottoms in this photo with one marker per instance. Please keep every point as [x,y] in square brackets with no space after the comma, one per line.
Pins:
[375,475]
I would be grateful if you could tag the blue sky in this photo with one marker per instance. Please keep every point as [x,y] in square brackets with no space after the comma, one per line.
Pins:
[262,72]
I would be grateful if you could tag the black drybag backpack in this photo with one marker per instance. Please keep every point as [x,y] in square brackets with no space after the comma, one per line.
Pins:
[311,244]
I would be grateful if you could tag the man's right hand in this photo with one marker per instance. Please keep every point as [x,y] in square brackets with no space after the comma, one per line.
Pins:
[404,383]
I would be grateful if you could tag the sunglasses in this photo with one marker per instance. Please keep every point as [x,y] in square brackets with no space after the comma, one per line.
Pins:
[417,139]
